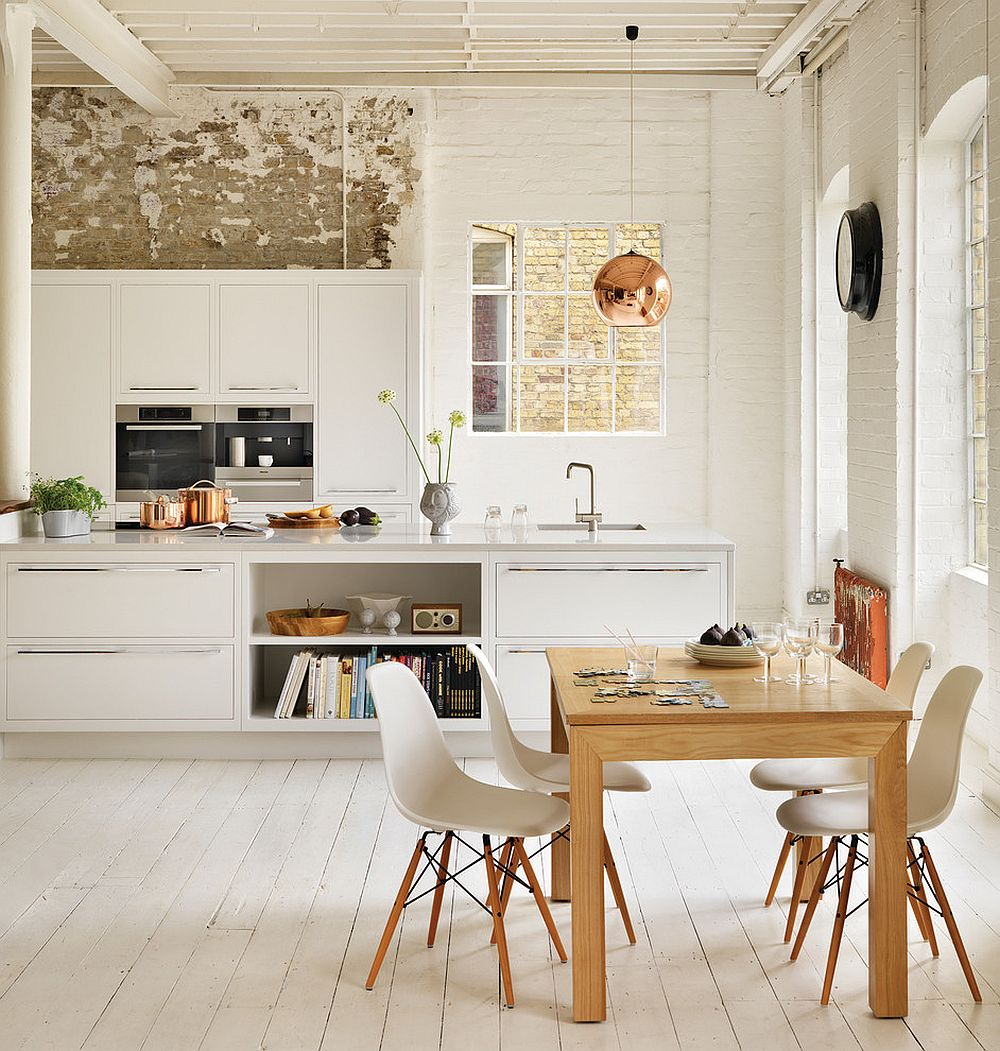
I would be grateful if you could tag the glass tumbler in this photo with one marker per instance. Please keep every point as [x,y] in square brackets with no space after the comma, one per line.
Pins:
[767,642]
[640,662]
[800,638]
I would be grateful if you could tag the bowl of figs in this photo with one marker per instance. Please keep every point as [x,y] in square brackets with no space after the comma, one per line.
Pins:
[724,647]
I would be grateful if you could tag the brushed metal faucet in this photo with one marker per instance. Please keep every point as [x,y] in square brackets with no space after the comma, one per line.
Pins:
[594,516]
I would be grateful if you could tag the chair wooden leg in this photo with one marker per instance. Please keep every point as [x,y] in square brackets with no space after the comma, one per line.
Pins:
[814,896]
[838,924]
[539,896]
[920,909]
[616,889]
[442,869]
[395,913]
[494,901]
[949,919]
[793,905]
[508,862]
[786,849]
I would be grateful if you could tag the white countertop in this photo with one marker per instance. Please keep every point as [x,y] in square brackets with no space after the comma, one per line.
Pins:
[393,536]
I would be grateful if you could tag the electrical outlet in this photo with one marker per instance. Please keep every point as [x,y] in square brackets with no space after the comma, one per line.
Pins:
[818,597]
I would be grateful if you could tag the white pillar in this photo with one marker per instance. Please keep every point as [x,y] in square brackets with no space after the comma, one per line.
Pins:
[16,24]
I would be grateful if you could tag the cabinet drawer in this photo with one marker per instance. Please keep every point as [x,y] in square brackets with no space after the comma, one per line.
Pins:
[130,600]
[523,674]
[120,682]
[559,601]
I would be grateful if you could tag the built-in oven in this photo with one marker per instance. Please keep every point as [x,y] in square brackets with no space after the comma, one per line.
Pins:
[162,448]
[265,452]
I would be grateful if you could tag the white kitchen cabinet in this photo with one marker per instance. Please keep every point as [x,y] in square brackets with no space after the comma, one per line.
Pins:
[523,673]
[165,337]
[120,683]
[264,339]
[71,414]
[120,600]
[368,340]
[565,601]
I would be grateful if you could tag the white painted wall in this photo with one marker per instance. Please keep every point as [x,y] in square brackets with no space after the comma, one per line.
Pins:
[710,167]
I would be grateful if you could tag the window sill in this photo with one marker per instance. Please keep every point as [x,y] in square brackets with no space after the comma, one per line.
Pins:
[974,574]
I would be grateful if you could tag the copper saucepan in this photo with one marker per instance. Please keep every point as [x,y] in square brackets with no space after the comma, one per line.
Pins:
[162,513]
[206,502]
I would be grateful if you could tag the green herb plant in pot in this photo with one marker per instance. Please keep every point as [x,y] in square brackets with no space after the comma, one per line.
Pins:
[67,505]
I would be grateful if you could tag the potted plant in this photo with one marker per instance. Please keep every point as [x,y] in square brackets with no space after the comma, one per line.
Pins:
[67,505]
[439,502]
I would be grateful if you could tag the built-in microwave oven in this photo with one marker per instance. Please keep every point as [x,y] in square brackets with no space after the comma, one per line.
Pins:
[162,448]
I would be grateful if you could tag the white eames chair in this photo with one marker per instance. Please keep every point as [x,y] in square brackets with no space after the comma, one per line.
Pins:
[539,771]
[804,776]
[429,789]
[932,786]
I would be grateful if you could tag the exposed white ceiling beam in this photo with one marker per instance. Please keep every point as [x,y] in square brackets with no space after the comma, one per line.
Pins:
[796,37]
[693,80]
[98,39]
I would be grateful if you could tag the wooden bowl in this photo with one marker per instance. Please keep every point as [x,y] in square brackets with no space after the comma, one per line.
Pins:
[295,622]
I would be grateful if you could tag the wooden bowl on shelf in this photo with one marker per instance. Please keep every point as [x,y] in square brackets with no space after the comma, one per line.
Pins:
[298,622]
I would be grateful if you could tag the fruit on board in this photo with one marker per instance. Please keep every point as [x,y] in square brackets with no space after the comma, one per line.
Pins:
[326,511]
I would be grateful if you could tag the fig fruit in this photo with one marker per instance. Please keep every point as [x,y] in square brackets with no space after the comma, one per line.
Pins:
[712,637]
[733,637]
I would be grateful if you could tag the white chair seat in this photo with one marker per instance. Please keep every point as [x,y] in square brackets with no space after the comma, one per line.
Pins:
[465,804]
[552,770]
[796,775]
[830,814]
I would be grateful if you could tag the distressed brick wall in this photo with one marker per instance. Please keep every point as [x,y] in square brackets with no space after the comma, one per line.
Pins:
[236,180]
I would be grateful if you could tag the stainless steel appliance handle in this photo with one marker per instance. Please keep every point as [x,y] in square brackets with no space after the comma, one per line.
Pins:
[238,483]
[114,650]
[119,569]
[193,386]
[163,427]
[606,569]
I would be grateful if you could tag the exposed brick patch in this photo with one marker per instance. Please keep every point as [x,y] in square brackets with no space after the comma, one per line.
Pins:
[237,180]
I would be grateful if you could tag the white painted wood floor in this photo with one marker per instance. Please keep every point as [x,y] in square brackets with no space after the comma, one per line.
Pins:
[172,905]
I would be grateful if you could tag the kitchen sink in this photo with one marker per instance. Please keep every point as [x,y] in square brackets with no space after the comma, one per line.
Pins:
[613,527]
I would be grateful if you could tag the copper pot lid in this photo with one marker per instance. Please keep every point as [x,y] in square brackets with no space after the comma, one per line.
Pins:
[632,291]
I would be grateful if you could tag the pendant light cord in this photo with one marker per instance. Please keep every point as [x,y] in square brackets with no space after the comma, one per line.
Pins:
[631,132]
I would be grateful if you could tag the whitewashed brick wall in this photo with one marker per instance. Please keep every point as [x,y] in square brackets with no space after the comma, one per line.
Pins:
[880,351]
[833,91]
[954,50]
[710,168]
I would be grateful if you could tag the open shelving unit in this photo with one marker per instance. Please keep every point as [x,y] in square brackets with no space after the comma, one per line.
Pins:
[280,584]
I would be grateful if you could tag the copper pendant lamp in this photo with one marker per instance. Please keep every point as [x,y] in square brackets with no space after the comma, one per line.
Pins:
[632,290]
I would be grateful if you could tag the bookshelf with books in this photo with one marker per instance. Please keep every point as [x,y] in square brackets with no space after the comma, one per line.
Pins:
[324,687]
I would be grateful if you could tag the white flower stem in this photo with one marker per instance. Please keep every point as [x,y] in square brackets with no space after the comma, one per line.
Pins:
[451,438]
[416,451]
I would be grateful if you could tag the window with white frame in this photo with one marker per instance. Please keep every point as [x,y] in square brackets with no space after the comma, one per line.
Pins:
[542,360]
[976,227]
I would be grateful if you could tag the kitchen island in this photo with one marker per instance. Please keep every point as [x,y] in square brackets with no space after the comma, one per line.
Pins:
[158,643]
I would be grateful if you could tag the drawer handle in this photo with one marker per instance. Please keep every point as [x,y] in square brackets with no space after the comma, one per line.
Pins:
[120,649]
[193,386]
[289,388]
[606,569]
[330,492]
[542,650]
[162,428]
[119,569]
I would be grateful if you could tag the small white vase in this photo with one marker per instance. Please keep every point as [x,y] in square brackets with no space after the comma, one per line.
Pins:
[440,504]
[65,523]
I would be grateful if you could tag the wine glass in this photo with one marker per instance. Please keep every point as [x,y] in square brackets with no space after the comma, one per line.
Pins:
[767,642]
[829,642]
[800,637]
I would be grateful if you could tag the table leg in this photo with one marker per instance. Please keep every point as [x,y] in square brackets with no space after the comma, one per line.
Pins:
[587,875]
[887,985]
[560,846]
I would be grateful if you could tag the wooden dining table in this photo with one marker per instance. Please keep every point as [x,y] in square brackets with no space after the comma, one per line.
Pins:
[849,717]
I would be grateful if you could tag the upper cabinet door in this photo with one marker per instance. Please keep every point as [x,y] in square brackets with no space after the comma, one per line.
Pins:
[263,339]
[166,339]
[71,417]
[361,449]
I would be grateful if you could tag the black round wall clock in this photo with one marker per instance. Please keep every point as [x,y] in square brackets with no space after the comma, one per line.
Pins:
[859,260]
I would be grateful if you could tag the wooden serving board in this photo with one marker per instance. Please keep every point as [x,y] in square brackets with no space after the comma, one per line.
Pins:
[304,523]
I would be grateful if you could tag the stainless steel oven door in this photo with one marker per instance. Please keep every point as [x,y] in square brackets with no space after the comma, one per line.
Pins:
[159,449]
[262,484]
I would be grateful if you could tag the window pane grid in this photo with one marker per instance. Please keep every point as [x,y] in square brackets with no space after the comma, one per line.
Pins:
[583,356]
[977,338]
